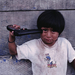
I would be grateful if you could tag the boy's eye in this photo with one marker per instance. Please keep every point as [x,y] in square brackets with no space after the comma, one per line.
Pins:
[44,30]
[53,31]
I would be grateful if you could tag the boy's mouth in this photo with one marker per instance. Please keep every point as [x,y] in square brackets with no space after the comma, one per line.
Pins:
[48,40]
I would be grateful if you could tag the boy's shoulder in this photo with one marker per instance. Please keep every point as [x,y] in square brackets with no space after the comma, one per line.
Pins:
[32,42]
[63,40]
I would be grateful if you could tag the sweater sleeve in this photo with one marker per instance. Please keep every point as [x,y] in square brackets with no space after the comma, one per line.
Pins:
[70,52]
[22,51]
[26,50]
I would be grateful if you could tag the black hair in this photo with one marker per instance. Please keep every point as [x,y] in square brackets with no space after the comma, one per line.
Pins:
[53,19]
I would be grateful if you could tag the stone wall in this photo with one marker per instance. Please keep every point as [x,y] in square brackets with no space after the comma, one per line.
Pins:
[25,14]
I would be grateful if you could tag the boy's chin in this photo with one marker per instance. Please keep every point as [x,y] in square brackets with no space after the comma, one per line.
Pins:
[49,43]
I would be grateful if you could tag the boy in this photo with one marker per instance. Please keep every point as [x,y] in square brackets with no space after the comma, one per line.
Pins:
[48,54]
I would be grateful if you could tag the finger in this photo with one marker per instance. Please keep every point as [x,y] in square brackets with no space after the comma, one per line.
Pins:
[24,28]
[16,26]
[11,33]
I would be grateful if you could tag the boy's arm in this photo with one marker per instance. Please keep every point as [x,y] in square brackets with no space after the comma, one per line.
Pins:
[11,41]
[73,63]
[11,44]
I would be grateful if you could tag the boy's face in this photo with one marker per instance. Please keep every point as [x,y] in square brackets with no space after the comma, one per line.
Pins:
[48,36]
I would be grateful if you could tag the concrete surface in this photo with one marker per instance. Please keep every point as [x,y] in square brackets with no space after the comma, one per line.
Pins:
[25,14]
[7,5]
[11,66]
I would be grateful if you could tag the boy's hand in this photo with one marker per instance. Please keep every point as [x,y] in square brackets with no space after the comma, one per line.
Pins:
[12,33]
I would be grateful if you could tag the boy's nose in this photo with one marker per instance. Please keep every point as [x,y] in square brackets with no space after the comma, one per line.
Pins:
[48,34]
